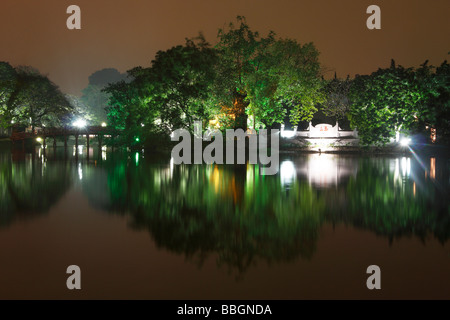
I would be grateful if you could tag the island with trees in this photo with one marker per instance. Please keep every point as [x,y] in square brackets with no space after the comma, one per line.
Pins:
[246,80]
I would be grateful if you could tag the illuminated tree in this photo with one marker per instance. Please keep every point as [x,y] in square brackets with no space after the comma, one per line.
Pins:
[258,76]
[127,110]
[181,81]
[384,103]
[8,82]
[171,94]
[37,101]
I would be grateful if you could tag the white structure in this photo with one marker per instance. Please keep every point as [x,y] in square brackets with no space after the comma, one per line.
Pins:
[322,130]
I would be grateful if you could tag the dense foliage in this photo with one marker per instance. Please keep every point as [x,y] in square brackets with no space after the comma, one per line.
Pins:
[243,75]
[398,99]
[29,98]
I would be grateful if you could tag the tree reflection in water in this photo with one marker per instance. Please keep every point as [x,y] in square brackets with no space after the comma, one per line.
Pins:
[29,187]
[233,214]
[241,217]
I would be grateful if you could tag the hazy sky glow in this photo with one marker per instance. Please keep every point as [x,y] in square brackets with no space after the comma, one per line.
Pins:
[127,33]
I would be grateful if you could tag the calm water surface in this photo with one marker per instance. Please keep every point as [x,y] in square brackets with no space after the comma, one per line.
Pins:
[140,227]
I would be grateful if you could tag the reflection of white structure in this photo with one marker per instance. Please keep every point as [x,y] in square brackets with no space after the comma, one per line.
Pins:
[320,170]
[325,170]
[401,168]
[287,172]
[80,171]
[104,153]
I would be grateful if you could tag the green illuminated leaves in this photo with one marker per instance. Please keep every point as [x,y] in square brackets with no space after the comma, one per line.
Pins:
[385,102]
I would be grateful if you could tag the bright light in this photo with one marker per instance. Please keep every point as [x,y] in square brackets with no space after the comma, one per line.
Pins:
[406,166]
[323,170]
[137,139]
[39,139]
[103,124]
[80,172]
[171,166]
[287,134]
[80,123]
[405,142]
[287,172]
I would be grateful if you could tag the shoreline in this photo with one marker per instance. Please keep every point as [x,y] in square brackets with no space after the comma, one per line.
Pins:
[440,150]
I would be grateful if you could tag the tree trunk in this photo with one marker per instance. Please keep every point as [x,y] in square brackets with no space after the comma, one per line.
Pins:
[239,105]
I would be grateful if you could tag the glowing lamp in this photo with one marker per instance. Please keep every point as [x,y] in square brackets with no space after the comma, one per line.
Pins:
[405,142]
[80,123]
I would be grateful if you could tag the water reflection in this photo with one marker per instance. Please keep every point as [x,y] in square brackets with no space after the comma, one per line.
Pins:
[232,212]
[242,217]
[326,170]
[28,186]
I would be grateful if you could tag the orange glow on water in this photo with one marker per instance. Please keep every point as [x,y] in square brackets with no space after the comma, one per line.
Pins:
[433,168]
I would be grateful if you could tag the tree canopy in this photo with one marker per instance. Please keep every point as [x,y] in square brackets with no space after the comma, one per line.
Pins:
[261,76]
[30,98]
[243,75]
[398,99]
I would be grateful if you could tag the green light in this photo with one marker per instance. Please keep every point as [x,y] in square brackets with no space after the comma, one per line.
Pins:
[137,158]
[137,139]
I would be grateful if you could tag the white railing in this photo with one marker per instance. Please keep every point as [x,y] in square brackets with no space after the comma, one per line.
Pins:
[322,130]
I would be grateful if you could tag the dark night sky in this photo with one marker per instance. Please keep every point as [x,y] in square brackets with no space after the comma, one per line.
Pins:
[127,33]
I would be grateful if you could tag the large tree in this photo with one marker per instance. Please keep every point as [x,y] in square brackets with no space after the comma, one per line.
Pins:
[37,101]
[386,102]
[181,83]
[129,110]
[171,94]
[260,76]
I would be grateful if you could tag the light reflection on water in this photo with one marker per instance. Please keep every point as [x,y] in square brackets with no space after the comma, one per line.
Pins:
[387,177]
[232,212]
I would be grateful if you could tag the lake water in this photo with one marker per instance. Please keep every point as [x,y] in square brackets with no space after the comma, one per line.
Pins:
[140,227]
